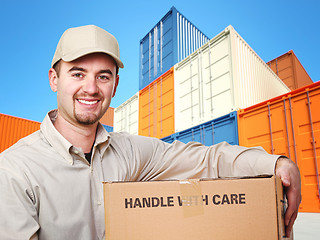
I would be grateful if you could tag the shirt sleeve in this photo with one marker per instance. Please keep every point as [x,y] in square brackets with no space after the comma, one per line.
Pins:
[163,161]
[19,219]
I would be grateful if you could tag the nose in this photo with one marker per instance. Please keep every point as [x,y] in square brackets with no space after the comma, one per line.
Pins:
[90,85]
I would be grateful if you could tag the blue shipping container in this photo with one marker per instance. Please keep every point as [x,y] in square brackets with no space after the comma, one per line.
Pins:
[108,128]
[221,129]
[171,40]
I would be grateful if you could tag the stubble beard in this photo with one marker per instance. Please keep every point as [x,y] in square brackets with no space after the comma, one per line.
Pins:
[87,118]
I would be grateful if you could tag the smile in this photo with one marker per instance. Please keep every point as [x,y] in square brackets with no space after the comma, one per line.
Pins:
[87,102]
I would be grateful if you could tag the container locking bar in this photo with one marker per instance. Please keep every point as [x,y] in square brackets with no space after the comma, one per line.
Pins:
[269,116]
[313,143]
[285,117]
[293,134]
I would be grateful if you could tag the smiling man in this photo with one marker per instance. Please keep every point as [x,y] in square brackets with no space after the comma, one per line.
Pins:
[51,181]
[84,89]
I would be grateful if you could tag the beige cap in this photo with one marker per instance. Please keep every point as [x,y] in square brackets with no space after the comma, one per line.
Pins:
[80,41]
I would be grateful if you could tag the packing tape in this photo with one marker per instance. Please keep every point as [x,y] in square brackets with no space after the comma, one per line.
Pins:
[191,198]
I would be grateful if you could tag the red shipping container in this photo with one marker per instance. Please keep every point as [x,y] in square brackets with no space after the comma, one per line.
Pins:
[290,70]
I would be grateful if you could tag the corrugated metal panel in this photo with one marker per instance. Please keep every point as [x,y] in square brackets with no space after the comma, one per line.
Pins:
[156,107]
[126,116]
[218,130]
[13,128]
[290,70]
[172,39]
[289,125]
[108,128]
[222,76]
[108,117]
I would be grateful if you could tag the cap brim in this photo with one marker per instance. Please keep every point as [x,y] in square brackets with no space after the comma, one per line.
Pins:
[82,52]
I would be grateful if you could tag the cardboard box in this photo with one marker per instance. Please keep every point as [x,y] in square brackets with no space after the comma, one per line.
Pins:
[248,208]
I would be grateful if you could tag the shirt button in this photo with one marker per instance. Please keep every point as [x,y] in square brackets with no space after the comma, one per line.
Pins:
[99,203]
[76,151]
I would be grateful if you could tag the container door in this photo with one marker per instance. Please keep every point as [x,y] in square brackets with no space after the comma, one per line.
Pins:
[156,104]
[188,93]
[126,116]
[217,79]
[306,120]
[289,126]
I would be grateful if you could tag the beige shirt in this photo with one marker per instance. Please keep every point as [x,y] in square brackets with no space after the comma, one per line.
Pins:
[48,190]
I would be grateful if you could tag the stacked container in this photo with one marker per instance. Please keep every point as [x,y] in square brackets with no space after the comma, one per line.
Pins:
[126,116]
[290,70]
[289,125]
[14,128]
[221,129]
[172,39]
[156,107]
[222,76]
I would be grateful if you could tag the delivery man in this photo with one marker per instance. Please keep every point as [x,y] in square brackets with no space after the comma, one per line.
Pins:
[50,181]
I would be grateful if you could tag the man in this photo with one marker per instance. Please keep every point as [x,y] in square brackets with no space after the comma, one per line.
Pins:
[50,181]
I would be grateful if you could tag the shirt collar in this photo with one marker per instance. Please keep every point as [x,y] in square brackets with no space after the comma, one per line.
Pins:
[62,145]
[102,138]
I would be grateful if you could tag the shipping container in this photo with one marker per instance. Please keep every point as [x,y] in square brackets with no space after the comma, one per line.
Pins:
[289,125]
[222,76]
[156,107]
[221,129]
[108,117]
[108,128]
[290,70]
[13,128]
[126,116]
[172,39]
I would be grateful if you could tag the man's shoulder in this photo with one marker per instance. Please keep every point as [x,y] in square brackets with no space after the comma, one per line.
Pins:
[125,136]
[120,137]
[124,139]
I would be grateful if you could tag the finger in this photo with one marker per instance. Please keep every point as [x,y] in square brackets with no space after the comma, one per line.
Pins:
[285,180]
[288,215]
[292,206]
[290,225]
[292,211]
[284,175]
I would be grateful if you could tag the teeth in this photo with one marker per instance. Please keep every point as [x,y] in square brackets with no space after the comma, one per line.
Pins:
[87,102]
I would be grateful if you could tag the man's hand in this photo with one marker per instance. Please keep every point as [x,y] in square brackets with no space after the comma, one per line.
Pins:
[290,176]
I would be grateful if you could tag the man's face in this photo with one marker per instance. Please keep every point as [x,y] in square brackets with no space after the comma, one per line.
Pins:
[84,88]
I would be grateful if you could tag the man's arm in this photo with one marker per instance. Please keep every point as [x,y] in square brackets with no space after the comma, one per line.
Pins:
[193,160]
[290,177]
[17,210]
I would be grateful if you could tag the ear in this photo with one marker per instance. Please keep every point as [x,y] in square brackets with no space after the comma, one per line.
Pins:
[115,86]
[53,78]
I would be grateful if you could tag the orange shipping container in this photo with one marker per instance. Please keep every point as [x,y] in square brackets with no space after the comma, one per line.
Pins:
[107,118]
[290,70]
[156,107]
[289,125]
[13,128]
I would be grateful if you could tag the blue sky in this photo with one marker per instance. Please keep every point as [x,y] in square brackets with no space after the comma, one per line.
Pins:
[30,31]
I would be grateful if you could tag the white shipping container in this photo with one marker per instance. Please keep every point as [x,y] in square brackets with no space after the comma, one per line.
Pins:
[126,116]
[222,76]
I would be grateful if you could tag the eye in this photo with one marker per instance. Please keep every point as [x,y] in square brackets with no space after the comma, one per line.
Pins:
[78,75]
[103,77]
